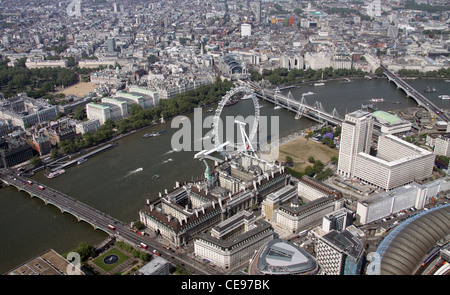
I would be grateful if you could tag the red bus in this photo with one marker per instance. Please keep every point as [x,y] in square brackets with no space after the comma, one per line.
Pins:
[143,245]
[111,227]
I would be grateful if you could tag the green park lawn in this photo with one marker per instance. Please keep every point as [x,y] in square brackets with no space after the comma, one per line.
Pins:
[108,267]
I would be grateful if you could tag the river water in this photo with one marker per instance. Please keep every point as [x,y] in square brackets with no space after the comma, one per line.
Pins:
[114,183]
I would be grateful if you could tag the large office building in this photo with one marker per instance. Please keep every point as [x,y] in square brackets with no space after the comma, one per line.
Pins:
[157,266]
[387,123]
[310,189]
[412,195]
[136,95]
[109,109]
[356,137]
[340,253]
[14,152]
[47,263]
[279,257]
[24,111]
[274,200]
[337,220]
[295,217]
[36,64]
[87,126]
[233,241]
[178,216]
[442,144]
[396,163]
[119,107]
[246,30]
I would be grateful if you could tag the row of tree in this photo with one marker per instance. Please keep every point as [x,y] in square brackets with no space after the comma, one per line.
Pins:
[37,83]
[441,73]
[316,170]
[283,76]
[138,117]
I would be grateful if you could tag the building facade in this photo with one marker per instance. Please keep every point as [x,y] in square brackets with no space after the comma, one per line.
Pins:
[396,163]
[233,241]
[340,253]
[295,217]
[24,111]
[356,137]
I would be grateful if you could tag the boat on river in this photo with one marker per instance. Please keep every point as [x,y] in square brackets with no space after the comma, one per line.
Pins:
[153,134]
[81,161]
[56,173]
[231,102]
[430,90]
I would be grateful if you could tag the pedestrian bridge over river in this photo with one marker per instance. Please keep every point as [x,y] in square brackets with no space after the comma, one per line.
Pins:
[301,108]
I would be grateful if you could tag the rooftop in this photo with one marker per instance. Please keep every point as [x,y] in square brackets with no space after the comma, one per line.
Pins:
[385,117]
[281,257]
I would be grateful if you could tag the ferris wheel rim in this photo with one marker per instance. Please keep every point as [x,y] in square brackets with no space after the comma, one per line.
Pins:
[247,91]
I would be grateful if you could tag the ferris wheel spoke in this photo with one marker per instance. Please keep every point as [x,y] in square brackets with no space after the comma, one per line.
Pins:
[248,91]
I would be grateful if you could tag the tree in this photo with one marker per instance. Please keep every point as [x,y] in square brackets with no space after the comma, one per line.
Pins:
[85,250]
[309,171]
[318,166]
[54,153]
[379,72]
[334,159]
[324,174]
[79,113]
[35,161]
[311,159]
[289,161]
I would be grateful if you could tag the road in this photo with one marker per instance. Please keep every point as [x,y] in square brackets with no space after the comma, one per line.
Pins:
[421,100]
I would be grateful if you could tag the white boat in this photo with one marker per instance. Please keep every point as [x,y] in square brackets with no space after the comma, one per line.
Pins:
[56,173]
[377,99]
[444,96]
[245,97]
[308,93]
[319,84]
[277,107]
[81,161]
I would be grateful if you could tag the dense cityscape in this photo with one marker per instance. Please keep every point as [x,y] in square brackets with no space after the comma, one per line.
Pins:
[360,193]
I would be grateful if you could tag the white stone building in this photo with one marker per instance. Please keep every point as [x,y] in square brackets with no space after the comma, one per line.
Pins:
[233,241]
[397,162]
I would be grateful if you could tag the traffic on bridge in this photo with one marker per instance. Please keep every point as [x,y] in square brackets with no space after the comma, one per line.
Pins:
[97,219]
[418,97]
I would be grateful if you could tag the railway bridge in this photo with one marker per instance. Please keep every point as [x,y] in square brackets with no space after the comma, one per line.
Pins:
[301,108]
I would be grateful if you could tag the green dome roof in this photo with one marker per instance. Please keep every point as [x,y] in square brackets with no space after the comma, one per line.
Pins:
[386,117]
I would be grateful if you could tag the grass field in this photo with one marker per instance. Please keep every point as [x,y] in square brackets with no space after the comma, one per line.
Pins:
[108,267]
[300,149]
[80,89]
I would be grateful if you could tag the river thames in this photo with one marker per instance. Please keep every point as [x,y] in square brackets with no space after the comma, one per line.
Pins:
[114,182]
